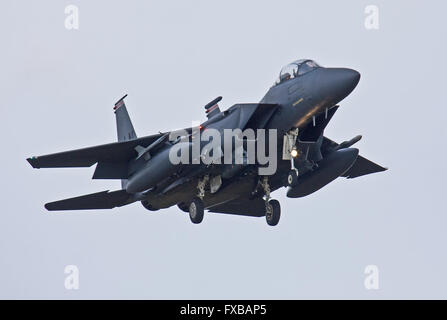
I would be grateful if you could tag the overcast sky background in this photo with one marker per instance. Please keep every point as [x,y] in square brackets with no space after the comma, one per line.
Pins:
[58,89]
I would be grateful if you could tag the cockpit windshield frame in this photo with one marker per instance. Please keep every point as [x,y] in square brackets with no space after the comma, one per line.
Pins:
[296,69]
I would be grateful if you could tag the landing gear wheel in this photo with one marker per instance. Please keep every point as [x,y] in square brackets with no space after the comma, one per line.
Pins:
[183,206]
[292,178]
[273,212]
[196,210]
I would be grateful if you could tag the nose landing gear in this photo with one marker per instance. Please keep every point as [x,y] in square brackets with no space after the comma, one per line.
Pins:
[291,152]
[292,177]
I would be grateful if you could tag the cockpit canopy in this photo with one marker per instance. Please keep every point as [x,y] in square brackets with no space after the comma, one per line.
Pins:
[296,69]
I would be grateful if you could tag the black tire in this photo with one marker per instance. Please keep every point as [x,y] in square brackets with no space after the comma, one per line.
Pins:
[148,206]
[183,206]
[292,178]
[196,210]
[272,217]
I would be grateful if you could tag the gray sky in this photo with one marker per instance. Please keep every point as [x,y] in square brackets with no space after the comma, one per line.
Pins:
[58,90]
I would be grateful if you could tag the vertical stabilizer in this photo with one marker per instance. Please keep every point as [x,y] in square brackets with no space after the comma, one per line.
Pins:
[124,126]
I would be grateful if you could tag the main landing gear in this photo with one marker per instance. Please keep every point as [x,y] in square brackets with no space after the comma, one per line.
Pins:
[196,207]
[196,210]
[273,212]
[272,207]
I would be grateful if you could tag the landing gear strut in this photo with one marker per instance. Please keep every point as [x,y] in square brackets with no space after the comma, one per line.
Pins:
[290,152]
[272,207]
[196,207]
[201,186]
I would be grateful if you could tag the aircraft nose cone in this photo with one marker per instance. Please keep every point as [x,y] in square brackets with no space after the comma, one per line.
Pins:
[349,79]
[350,75]
[339,82]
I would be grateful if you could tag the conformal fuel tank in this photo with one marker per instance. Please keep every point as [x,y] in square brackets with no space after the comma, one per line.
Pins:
[331,167]
[159,167]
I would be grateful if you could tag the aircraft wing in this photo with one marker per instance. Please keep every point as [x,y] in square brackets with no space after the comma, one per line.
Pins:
[361,166]
[112,152]
[241,206]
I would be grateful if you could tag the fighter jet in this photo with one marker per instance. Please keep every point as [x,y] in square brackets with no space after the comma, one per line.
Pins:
[289,121]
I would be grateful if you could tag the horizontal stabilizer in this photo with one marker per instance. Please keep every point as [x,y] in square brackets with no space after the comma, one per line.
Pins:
[112,152]
[111,170]
[99,200]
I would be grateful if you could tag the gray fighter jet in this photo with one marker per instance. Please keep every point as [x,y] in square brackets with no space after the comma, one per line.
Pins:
[290,119]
